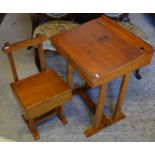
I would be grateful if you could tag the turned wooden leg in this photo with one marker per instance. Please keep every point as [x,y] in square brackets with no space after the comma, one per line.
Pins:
[123,88]
[69,75]
[61,115]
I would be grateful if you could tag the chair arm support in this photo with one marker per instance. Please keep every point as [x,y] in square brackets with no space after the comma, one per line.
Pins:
[9,48]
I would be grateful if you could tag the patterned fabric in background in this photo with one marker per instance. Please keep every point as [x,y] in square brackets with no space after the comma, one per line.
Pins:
[134,29]
[52,28]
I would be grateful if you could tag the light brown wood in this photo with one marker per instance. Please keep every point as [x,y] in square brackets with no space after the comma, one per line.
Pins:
[106,121]
[41,58]
[39,95]
[24,44]
[123,88]
[69,75]
[13,67]
[92,105]
[100,51]
[61,115]
[46,115]
[9,49]
[37,91]
[100,105]
[125,34]
[101,54]
[91,131]
[31,125]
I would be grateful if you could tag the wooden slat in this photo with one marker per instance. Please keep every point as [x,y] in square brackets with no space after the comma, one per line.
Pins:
[45,116]
[41,57]
[10,48]
[100,105]
[24,44]
[91,104]
[69,75]
[13,66]
[123,88]
[61,115]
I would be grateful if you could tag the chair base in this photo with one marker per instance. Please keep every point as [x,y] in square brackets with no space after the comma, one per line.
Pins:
[31,123]
[33,130]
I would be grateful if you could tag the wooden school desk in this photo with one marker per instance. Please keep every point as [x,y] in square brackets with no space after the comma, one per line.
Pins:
[100,51]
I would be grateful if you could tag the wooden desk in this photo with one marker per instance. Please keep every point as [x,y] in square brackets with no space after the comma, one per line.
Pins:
[101,50]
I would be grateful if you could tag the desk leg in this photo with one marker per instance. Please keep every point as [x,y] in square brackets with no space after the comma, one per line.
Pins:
[123,88]
[69,75]
[100,106]
[97,124]
[101,121]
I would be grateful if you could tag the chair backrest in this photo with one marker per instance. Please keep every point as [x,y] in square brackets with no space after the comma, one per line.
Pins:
[10,48]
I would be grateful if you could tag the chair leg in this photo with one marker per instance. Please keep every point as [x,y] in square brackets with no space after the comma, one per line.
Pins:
[36,58]
[31,125]
[61,115]
[34,130]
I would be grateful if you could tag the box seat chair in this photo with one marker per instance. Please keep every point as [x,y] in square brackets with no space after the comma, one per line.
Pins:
[40,95]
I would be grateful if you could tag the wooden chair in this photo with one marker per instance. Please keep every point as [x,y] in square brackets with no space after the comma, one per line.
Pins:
[40,95]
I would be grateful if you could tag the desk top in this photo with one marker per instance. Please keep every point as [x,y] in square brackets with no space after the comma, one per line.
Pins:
[101,50]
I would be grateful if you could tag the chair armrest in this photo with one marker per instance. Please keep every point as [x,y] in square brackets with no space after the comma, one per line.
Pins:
[9,48]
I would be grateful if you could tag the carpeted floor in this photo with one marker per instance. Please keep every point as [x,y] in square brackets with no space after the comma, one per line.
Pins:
[139,104]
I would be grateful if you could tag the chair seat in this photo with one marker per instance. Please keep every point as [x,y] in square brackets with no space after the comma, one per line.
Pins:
[41,92]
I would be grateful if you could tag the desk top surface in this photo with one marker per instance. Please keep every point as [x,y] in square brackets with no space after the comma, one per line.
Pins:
[101,50]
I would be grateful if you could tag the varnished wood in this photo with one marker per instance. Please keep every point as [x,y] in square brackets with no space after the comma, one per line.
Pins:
[92,105]
[100,51]
[104,124]
[123,88]
[9,49]
[48,86]
[12,63]
[61,115]
[106,121]
[45,116]
[41,58]
[39,95]
[13,67]
[101,121]
[100,105]
[125,34]
[24,44]
[69,75]
[31,125]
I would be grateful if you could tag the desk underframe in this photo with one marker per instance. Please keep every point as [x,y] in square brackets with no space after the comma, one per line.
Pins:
[100,121]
